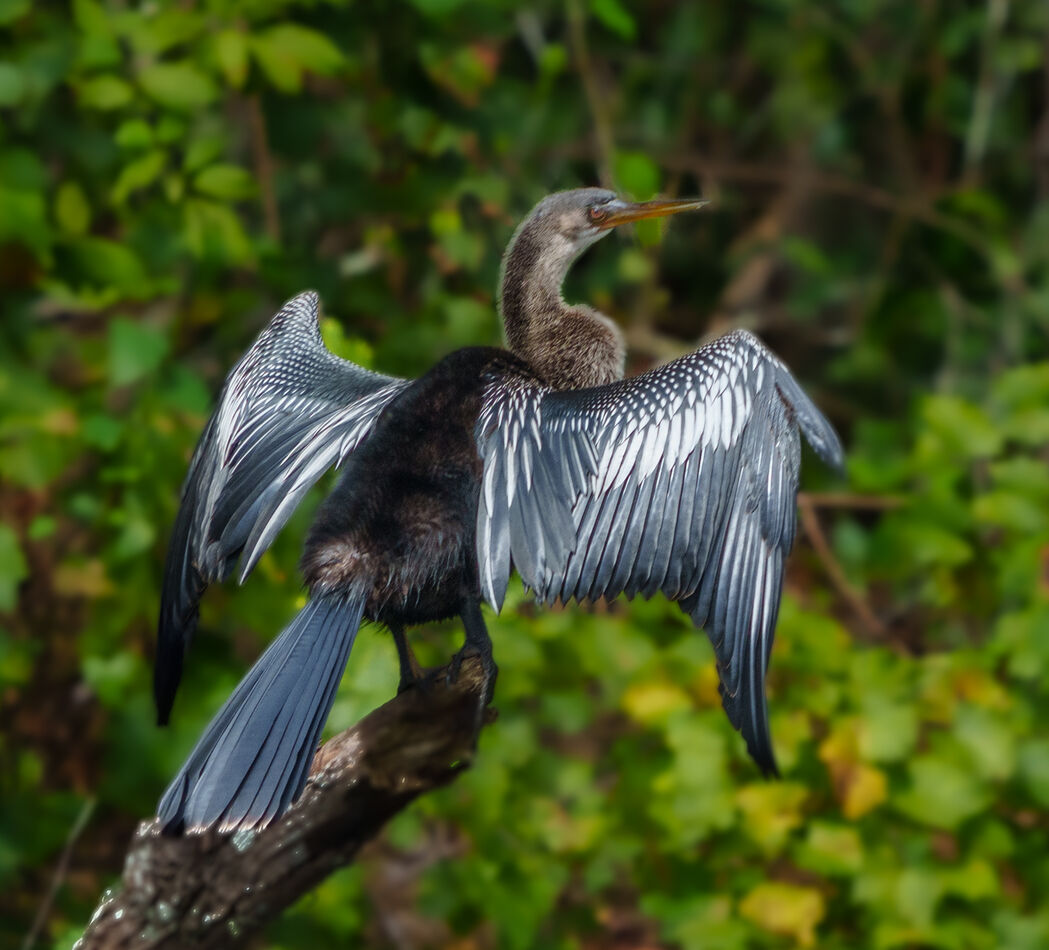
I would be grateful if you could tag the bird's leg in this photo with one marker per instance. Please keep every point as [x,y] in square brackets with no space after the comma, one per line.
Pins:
[478,641]
[411,673]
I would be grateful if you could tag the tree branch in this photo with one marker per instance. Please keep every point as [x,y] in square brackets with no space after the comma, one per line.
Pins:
[213,890]
[61,870]
[870,622]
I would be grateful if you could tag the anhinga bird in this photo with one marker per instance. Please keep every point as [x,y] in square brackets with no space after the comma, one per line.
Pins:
[682,480]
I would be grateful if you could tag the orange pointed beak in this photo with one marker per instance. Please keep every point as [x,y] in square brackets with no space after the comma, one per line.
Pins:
[620,212]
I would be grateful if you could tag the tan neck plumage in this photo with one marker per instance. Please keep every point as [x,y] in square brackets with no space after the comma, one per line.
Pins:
[568,346]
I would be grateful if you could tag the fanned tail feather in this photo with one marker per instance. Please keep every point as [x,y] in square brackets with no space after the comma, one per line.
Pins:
[252,760]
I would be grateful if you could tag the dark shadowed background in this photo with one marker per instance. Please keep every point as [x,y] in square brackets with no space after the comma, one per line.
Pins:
[170,173]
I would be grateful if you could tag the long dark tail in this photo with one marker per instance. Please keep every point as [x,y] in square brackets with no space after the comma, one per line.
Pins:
[252,761]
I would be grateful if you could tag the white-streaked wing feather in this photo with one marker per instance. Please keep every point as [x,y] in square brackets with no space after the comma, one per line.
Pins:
[289,410]
[682,481]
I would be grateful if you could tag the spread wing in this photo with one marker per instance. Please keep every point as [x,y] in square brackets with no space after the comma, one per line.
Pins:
[682,480]
[289,410]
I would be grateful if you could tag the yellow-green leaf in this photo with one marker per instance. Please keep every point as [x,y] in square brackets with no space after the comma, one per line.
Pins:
[831,849]
[105,92]
[72,211]
[135,350]
[615,16]
[278,65]
[942,794]
[650,702]
[11,10]
[231,54]
[139,174]
[225,181]
[134,134]
[12,85]
[311,51]
[180,86]
[771,810]
[785,909]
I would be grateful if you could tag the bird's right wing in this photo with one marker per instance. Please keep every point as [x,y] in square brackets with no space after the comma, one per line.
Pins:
[681,480]
[289,410]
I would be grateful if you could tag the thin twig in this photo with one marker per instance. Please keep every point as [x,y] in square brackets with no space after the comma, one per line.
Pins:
[61,870]
[987,86]
[811,523]
[850,500]
[1041,138]
[917,207]
[594,99]
[260,150]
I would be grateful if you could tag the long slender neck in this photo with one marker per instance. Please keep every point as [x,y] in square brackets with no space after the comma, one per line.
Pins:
[569,346]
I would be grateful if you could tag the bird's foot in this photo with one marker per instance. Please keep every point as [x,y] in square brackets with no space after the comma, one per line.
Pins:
[488,668]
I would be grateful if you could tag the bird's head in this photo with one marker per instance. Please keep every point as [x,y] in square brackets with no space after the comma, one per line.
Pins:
[558,230]
[578,218]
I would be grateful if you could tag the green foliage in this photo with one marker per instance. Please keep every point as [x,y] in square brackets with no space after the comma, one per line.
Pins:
[169,173]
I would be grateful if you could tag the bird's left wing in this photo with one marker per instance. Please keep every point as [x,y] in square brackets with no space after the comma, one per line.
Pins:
[289,411]
[682,480]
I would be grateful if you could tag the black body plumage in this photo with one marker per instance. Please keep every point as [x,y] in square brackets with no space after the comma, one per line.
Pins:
[411,532]
[681,481]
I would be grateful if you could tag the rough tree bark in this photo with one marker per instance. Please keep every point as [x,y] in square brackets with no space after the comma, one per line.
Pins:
[212,890]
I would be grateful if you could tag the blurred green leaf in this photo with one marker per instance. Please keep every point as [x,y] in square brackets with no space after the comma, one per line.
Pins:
[111,676]
[180,86]
[698,922]
[203,150]
[785,909]
[889,731]
[109,263]
[105,92]
[90,16]
[312,51]
[831,849]
[135,350]
[102,431]
[72,210]
[615,16]
[941,794]
[12,85]
[771,812]
[138,174]
[134,134]
[11,10]
[213,230]
[231,53]
[225,181]
[637,174]
[1034,767]
[23,218]
[964,428]
[348,348]
[287,50]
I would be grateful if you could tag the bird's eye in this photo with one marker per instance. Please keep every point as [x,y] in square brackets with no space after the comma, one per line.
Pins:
[598,214]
